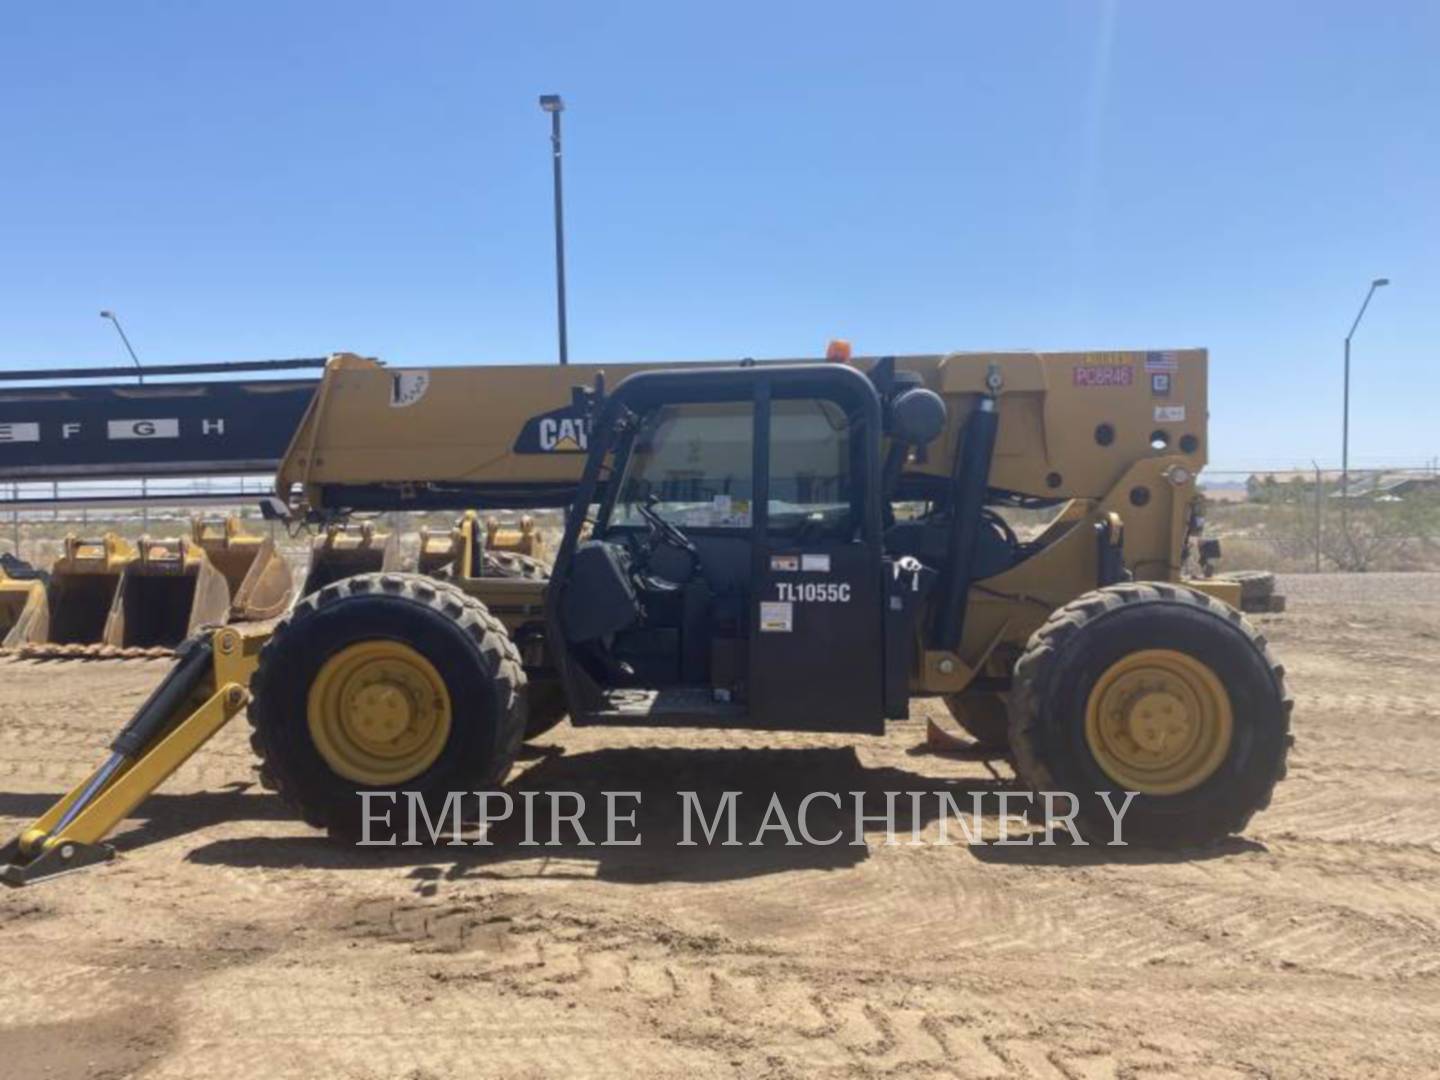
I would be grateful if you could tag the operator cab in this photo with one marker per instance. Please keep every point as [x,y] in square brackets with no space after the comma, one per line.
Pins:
[733,571]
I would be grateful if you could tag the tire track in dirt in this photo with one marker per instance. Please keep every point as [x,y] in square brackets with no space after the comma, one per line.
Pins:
[1379,814]
[1245,929]
[57,719]
[1368,707]
[1304,950]
[757,1003]
[1201,913]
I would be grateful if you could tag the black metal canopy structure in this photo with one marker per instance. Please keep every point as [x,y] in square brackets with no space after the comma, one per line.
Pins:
[56,431]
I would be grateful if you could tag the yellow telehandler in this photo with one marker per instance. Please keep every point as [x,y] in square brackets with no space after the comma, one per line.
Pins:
[801,545]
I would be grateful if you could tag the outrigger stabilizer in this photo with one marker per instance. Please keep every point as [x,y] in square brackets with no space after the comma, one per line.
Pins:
[204,690]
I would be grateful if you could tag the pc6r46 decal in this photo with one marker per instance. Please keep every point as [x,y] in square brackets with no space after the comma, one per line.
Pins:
[1104,375]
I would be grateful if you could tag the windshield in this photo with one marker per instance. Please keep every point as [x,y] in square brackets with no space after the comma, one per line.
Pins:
[694,463]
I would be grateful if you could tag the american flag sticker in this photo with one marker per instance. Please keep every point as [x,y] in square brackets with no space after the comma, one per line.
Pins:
[1161,361]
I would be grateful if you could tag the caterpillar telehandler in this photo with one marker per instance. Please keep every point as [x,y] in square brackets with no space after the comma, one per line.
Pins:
[779,545]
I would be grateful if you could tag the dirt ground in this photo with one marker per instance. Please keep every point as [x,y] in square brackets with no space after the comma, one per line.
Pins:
[230,941]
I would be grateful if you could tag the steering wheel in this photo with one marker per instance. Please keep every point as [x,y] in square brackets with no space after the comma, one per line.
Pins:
[665,529]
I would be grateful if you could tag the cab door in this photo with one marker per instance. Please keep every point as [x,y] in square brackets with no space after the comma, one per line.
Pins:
[817,640]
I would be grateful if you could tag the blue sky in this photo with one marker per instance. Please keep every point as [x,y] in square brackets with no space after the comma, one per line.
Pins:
[256,180]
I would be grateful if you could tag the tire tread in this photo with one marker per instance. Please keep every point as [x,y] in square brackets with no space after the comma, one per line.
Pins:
[1037,667]
[494,647]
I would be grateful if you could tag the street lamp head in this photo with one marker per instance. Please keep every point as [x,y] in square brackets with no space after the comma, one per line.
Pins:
[107,314]
[1379,281]
[552,103]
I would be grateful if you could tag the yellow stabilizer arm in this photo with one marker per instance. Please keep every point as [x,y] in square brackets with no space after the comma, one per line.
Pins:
[206,688]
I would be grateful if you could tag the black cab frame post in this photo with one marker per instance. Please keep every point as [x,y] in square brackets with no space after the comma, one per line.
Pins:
[969,485]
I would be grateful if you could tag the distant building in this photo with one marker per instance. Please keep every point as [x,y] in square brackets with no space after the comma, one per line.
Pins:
[1406,486]
[1390,486]
[1369,484]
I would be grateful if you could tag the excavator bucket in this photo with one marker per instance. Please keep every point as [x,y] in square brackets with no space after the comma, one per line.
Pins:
[22,592]
[345,551]
[260,581]
[78,599]
[167,593]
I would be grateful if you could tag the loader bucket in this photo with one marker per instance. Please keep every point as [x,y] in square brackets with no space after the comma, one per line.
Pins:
[165,595]
[22,592]
[261,584]
[344,552]
[81,592]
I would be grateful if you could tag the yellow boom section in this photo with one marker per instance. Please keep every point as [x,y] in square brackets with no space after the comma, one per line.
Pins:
[1071,424]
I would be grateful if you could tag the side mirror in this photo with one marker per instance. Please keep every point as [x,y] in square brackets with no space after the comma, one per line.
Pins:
[917,416]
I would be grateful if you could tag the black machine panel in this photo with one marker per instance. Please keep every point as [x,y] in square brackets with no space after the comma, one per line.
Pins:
[169,429]
[600,596]
[817,653]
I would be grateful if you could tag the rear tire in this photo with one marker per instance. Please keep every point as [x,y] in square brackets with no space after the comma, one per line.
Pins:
[1104,631]
[1257,590]
[457,640]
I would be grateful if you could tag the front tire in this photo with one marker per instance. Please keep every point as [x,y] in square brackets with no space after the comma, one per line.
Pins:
[385,682]
[1157,689]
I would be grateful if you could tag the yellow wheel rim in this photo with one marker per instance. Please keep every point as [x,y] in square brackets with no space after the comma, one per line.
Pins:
[379,713]
[1158,722]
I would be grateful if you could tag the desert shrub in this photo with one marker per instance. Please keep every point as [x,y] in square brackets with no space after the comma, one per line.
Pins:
[1281,534]
[1401,535]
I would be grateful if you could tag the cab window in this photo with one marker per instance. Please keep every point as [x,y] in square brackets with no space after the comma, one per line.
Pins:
[811,487]
[696,461]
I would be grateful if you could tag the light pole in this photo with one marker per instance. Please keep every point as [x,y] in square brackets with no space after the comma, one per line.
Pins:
[140,373]
[553,105]
[1345,421]
[121,330]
